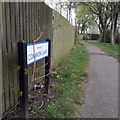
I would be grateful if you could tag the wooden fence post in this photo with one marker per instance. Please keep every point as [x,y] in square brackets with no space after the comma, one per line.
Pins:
[47,68]
[23,78]
[1,37]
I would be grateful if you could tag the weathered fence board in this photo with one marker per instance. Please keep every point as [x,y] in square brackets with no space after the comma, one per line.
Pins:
[10,55]
[14,52]
[17,37]
[1,37]
[5,62]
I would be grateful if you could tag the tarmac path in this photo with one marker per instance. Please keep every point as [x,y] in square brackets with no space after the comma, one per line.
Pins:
[101,94]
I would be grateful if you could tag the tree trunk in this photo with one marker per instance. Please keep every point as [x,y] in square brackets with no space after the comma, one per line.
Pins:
[113,34]
[102,29]
[69,14]
[114,24]
[83,27]
[104,34]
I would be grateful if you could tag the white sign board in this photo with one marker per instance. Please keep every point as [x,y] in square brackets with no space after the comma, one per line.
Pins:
[36,52]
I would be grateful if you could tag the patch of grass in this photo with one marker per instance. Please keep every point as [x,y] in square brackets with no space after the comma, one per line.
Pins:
[61,108]
[70,83]
[111,49]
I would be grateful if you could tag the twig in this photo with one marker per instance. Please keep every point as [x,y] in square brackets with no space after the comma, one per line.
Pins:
[38,37]
[41,105]
[34,65]
[39,67]
[41,33]
[9,110]
[41,77]
[42,66]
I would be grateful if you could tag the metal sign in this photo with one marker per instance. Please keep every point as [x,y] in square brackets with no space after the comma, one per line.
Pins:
[27,54]
[36,52]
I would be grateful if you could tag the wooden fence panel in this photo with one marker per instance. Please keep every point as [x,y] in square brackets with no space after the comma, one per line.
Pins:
[17,37]
[5,63]
[20,22]
[3,56]
[14,51]
[26,21]
[10,55]
[1,37]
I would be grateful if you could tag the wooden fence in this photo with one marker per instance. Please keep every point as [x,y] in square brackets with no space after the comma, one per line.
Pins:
[63,38]
[28,21]
[21,21]
[1,32]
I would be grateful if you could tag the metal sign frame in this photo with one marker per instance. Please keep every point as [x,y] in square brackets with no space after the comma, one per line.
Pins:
[23,78]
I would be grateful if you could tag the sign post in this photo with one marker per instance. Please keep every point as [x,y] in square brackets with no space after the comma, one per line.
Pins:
[28,54]
[23,78]
[47,68]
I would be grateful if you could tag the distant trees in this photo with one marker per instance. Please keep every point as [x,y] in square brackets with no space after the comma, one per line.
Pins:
[107,16]
[65,8]
[84,18]
[104,14]
[69,6]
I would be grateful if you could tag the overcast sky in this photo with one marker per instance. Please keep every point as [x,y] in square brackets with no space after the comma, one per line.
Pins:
[52,4]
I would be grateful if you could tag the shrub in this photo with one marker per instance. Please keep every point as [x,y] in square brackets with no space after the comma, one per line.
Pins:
[108,36]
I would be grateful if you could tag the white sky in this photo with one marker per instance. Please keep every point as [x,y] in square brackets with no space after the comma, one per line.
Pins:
[52,4]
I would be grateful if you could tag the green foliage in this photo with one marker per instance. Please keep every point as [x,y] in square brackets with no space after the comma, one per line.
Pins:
[86,36]
[70,84]
[108,36]
[15,90]
[85,18]
[20,93]
[34,107]
[78,37]
[107,15]
[16,68]
[61,108]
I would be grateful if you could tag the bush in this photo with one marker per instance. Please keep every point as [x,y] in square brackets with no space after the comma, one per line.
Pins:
[108,36]
[86,36]
[79,37]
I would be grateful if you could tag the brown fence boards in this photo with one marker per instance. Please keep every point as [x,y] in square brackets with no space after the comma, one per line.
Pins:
[63,39]
[17,37]
[25,21]
[5,62]
[1,34]
[10,52]
[3,57]
[19,23]
[14,52]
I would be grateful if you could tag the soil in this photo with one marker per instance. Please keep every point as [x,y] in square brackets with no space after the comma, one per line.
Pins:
[38,101]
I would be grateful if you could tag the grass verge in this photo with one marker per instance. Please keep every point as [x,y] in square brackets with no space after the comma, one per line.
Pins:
[70,83]
[111,49]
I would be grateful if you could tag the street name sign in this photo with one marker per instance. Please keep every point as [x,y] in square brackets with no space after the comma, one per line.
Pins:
[36,51]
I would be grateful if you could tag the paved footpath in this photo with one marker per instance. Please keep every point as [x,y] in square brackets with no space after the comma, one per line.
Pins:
[101,94]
